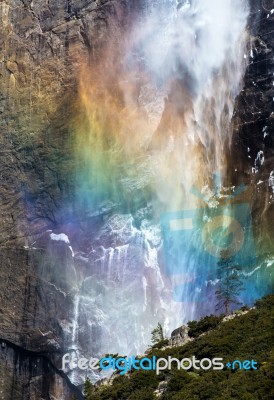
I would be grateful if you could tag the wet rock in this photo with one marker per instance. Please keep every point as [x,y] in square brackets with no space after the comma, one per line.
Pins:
[254,122]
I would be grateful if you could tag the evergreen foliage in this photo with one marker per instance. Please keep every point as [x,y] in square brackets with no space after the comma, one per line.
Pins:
[157,334]
[230,284]
[196,328]
[248,336]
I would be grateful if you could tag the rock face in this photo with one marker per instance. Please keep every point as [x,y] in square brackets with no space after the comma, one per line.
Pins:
[31,375]
[179,336]
[59,278]
[52,299]
[253,144]
[39,54]
[35,304]
[39,47]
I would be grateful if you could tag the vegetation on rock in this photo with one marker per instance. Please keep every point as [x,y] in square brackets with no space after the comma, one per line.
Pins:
[245,337]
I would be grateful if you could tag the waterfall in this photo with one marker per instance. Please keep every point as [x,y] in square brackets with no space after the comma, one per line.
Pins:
[193,51]
[114,263]
[75,321]
[167,131]
[74,374]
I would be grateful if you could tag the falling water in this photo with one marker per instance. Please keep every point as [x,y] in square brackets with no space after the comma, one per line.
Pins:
[193,51]
[182,69]
[114,263]
[75,321]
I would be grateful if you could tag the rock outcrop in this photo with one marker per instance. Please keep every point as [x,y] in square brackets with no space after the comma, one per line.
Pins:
[179,336]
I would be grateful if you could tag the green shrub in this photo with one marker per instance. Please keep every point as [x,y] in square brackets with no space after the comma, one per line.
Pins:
[265,302]
[160,344]
[142,394]
[250,336]
[196,328]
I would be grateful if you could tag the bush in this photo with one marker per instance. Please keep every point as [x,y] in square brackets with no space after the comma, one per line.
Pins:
[244,308]
[196,328]
[142,394]
[160,344]
[266,302]
[250,336]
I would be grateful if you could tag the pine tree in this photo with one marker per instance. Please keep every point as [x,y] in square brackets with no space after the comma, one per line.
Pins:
[157,334]
[230,284]
[88,389]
